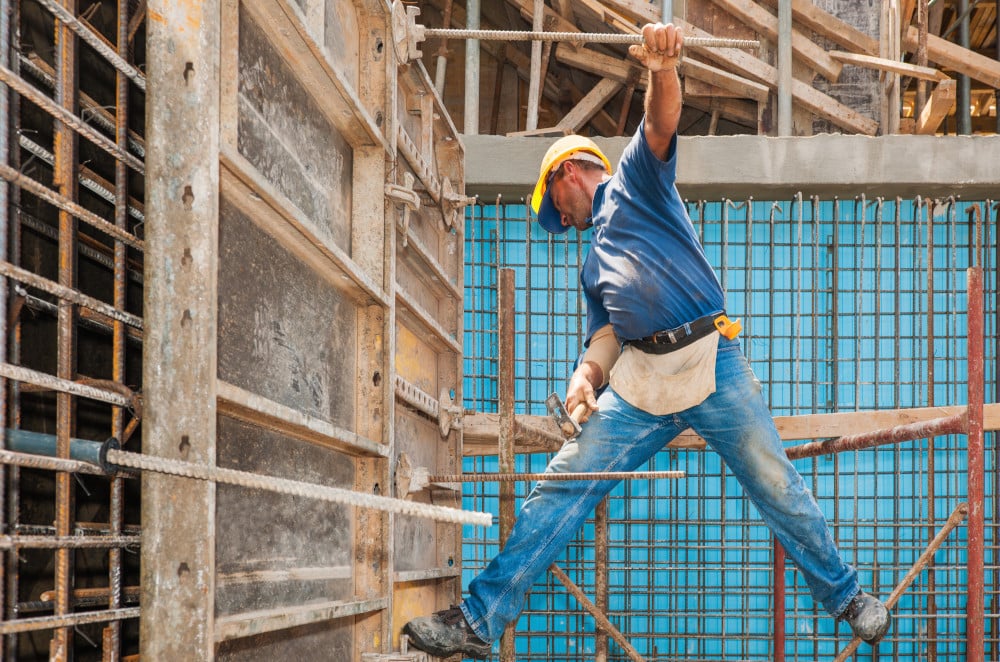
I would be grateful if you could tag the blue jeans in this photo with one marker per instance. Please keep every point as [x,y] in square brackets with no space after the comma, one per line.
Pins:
[736,423]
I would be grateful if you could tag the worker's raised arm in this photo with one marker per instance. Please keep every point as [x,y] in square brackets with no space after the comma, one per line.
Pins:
[660,53]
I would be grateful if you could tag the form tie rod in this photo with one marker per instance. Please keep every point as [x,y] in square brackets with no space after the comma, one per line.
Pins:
[580,37]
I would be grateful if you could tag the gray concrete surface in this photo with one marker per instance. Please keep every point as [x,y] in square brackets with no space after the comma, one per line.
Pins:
[714,167]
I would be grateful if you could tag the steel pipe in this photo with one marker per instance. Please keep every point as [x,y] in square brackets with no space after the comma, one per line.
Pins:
[84,450]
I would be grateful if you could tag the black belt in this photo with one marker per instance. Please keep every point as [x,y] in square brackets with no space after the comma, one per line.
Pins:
[664,342]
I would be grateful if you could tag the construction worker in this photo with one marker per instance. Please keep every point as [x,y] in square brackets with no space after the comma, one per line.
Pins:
[658,331]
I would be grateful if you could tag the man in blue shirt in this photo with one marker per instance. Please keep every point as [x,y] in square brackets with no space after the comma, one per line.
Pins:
[658,333]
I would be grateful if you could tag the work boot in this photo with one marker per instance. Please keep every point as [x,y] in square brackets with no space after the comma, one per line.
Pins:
[445,633]
[867,616]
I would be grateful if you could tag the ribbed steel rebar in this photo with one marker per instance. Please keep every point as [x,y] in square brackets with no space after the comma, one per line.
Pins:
[515,477]
[296,488]
[95,42]
[580,37]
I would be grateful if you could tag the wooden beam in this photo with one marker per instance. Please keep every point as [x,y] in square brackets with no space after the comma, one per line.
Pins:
[766,23]
[955,57]
[538,434]
[883,64]
[830,27]
[624,71]
[594,101]
[802,93]
[937,108]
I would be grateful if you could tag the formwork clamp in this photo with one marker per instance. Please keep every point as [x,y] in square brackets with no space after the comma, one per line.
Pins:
[452,202]
[406,196]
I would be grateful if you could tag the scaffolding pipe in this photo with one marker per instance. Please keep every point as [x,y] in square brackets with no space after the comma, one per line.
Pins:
[778,645]
[472,70]
[975,627]
[784,67]
[963,102]
[956,424]
[441,65]
[535,83]
[956,517]
[505,384]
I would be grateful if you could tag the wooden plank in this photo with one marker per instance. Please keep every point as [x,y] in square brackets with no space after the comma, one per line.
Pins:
[624,71]
[602,93]
[802,93]
[955,57]
[540,433]
[766,23]
[939,104]
[830,27]
[883,64]
[741,87]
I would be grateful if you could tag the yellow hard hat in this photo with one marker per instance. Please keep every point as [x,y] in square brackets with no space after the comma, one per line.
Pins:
[561,150]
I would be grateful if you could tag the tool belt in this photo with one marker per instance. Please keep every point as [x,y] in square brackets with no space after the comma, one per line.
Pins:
[670,340]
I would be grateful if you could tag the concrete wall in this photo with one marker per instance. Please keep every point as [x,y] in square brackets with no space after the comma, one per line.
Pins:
[740,166]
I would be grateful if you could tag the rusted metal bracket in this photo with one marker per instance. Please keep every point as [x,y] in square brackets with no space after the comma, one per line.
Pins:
[452,202]
[406,196]
[448,415]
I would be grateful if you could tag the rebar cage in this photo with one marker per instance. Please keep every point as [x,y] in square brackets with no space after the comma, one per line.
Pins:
[847,304]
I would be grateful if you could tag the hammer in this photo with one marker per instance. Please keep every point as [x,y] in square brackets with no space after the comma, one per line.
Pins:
[569,424]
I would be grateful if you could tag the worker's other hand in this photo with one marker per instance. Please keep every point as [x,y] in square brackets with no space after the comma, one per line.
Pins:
[661,47]
[581,389]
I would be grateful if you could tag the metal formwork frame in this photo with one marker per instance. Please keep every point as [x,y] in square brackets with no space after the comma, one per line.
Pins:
[395,272]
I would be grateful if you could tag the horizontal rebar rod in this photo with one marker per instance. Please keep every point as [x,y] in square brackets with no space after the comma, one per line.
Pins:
[67,293]
[584,37]
[27,375]
[515,477]
[296,488]
[67,542]
[28,461]
[70,620]
[18,84]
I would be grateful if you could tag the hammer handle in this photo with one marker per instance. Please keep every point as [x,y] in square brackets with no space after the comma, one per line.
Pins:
[568,428]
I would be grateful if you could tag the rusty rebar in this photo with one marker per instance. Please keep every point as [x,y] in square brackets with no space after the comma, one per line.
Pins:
[600,619]
[945,425]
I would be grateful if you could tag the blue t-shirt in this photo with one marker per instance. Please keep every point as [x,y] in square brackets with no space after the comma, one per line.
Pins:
[646,270]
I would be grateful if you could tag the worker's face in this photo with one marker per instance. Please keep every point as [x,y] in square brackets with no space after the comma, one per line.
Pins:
[572,196]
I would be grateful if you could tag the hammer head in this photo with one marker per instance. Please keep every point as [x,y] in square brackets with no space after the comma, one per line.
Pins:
[569,426]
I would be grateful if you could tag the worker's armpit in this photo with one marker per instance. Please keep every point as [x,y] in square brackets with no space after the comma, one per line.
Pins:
[604,350]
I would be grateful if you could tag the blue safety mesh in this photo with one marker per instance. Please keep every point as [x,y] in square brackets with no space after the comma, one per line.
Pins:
[839,315]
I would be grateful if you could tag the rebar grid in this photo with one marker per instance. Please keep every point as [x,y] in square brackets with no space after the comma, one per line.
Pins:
[68,321]
[835,296]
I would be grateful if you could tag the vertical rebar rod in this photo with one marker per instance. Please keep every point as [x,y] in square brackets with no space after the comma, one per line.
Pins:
[4,229]
[116,509]
[64,177]
[505,368]
[601,575]
[931,471]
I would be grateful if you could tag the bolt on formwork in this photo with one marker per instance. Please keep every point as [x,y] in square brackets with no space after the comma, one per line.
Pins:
[850,305]
[72,112]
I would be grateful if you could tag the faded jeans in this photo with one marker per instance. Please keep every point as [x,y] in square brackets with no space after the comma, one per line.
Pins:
[736,423]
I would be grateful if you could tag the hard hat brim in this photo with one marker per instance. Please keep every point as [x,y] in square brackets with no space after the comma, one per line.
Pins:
[549,217]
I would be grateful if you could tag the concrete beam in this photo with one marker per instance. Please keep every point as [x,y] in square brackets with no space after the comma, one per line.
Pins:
[713,167]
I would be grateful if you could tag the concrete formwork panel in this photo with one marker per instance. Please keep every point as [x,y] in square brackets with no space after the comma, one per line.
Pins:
[333,350]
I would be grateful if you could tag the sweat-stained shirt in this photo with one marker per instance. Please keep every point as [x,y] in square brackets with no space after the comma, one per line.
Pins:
[646,271]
